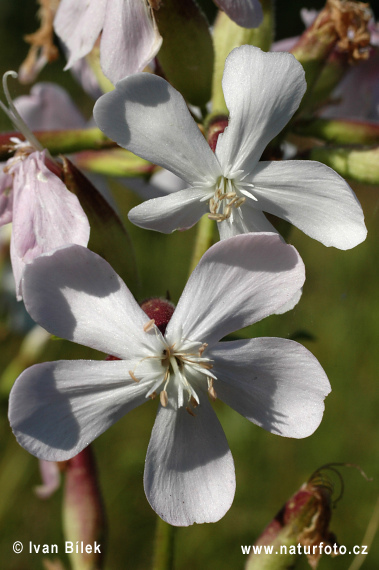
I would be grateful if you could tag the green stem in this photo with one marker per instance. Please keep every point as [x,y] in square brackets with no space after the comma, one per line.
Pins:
[60,142]
[204,240]
[164,546]
[361,165]
[339,131]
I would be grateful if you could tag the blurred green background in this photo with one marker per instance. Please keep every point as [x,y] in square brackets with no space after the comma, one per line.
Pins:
[339,309]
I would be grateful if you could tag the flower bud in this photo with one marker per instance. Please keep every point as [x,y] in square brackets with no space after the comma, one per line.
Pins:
[186,55]
[303,520]
[83,512]
[160,310]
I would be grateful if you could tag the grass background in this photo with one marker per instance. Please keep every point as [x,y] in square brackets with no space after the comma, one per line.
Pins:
[339,309]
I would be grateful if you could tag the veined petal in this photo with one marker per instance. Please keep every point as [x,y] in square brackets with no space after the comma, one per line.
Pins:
[46,214]
[49,106]
[189,471]
[245,220]
[275,383]
[245,13]
[78,24]
[75,294]
[237,282]
[129,25]
[262,91]
[58,408]
[314,198]
[147,116]
[177,211]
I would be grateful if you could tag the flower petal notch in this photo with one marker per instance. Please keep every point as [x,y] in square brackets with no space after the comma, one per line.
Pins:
[57,408]
[147,116]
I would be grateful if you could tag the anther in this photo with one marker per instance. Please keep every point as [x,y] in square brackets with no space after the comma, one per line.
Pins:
[148,326]
[163,398]
[190,411]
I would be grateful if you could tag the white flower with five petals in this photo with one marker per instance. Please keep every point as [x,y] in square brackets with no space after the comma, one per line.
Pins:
[57,408]
[262,91]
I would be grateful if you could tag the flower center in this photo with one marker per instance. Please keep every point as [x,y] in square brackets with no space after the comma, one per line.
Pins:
[229,195]
[184,368]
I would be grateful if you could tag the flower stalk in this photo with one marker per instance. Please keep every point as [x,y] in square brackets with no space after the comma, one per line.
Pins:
[59,142]
[339,131]
[164,546]
[361,165]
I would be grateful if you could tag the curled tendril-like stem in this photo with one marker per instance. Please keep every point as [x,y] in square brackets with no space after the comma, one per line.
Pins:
[319,479]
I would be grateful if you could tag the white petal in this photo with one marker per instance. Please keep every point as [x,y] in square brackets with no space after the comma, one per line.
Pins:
[246,13]
[245,220]
[130,38]
[58,408]
[276,383]
[189,472]
[314,198]
[75,294]
[147,116]
[237,282]
[78,24]
[177,211]
[262,91]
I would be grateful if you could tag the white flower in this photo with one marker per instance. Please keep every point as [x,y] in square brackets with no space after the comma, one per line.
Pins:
[129,35]
[57,408]
[262,91]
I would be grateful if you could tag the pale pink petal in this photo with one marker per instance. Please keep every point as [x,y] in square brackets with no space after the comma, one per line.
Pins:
[276,383]
[262,92]
[245,13]
[57,408]
[189,471]
[75,294]
[6,197]
[46,214]
[78,24]
[237,282]
[146,115]
[176,211]
[50,107]
[314,198]
[51,479]
[130,38]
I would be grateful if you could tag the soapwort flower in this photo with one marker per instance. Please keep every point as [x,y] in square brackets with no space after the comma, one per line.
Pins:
[262,91]
[57,408]
[127,24]
[44,213]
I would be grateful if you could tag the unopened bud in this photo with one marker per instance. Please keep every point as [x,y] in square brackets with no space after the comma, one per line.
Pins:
[83,513]
[216,126]
[303,520]
[160,310]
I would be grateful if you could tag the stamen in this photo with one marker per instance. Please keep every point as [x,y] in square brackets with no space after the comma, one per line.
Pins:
[190,411]
[153,395]
[148,326]
[211,390]
[132,376]
[163,398]
[202,348]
